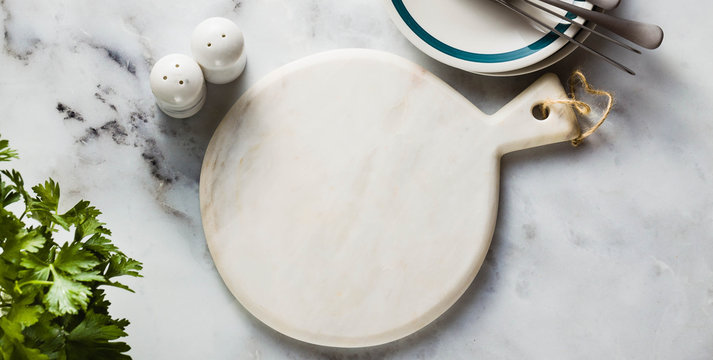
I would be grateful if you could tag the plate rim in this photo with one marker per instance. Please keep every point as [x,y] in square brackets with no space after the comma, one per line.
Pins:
[548,61]
[479,62]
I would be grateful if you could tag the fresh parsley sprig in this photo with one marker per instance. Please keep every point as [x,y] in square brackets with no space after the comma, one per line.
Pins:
[51,303]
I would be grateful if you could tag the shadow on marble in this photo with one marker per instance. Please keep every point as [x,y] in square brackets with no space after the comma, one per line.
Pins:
[188,138]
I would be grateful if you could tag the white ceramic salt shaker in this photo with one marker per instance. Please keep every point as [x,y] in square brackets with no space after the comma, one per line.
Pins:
[218,46]
[179,87]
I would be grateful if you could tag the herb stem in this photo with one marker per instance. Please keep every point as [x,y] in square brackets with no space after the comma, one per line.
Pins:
[35,282]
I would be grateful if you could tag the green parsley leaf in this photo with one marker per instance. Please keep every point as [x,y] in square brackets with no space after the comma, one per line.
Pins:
[24,313]
[20,316]
[51,303]
[48,194]
[73,259]
[6,153]
[97,328]
[66,296]
[84,217]
[35,268]
[122,265]
[101,246]
[46,336]
[18,185]
[22,242]
[7,194]
[11,330]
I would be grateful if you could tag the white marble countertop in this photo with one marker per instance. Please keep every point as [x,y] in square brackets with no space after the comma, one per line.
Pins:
[600,252]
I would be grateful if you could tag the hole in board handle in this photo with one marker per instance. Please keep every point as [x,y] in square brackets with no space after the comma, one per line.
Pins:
[540,111]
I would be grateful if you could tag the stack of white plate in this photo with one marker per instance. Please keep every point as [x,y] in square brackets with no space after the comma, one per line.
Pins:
[484,37]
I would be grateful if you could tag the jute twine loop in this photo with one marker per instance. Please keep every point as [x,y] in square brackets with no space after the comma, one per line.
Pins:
[581,106]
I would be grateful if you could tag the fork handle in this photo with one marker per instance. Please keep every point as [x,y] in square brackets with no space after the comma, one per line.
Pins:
[645,35]
[605,4]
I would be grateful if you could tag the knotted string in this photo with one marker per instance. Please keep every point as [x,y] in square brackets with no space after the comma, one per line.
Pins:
[581,106]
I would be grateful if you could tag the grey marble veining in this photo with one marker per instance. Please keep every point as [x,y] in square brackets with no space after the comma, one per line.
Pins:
[603,251]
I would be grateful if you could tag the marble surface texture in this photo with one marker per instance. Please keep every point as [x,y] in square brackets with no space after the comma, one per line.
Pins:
[600,252]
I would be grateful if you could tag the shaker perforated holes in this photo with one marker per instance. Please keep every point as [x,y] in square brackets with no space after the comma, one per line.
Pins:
[218,45]
[179,87]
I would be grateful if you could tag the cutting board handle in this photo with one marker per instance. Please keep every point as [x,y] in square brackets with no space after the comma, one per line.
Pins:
[516,127]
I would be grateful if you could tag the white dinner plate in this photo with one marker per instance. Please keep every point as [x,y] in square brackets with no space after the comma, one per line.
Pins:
[554,58]
[480,36]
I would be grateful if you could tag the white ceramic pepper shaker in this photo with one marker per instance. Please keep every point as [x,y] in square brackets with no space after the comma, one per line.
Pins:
[178,85]
[218,46]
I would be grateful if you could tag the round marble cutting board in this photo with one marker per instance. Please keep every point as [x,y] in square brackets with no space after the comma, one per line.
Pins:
[349,198]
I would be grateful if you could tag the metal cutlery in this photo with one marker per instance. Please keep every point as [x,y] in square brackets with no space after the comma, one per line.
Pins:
[645,35]
[605,4]
[583,26]
[524,14]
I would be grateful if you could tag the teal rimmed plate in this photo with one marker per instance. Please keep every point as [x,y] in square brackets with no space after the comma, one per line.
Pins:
[479,36]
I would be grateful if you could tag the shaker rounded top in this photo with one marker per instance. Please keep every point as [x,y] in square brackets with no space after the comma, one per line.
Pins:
[217,43]
[177,81]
